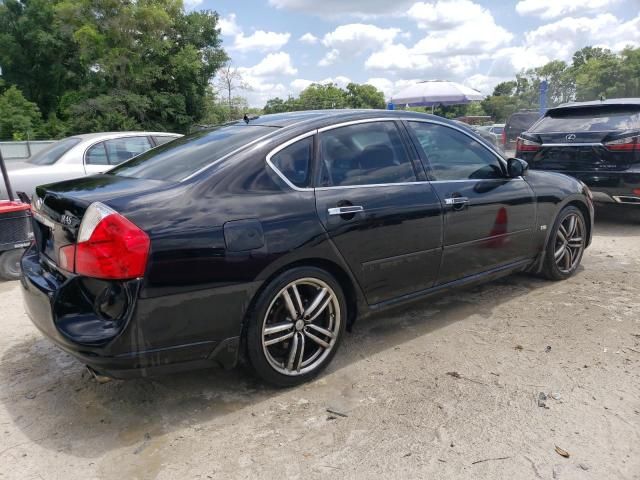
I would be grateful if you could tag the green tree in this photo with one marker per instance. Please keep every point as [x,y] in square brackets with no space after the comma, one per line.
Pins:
[19,118]
[36,55]
[364,96]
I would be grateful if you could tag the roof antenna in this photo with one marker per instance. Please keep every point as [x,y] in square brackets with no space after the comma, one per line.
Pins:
[246,118]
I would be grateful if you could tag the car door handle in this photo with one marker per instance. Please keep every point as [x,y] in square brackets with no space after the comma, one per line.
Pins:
[456,200]
[345,210]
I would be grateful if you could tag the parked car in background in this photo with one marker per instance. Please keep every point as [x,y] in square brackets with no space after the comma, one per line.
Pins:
[597,142]
[517,123]
[265,239]
[81,155]
[482,132]
[497,129]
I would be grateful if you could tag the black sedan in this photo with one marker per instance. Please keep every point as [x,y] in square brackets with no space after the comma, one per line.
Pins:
[597,142]
[265,240]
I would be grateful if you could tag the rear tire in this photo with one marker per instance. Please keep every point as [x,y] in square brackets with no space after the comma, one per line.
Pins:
[10,264]
[567,242]
[296,326]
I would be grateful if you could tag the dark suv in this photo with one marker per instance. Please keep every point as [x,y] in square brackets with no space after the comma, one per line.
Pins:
[517,123]
[597,142]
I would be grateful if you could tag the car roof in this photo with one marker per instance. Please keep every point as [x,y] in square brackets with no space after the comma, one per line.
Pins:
[598,103]
[100,135]
[310,118]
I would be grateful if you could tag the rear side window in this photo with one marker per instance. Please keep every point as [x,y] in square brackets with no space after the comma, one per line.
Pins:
[122,149]
[175,161]
[364,154]
[600,119]
[294,162]
[162,139]
[97,155]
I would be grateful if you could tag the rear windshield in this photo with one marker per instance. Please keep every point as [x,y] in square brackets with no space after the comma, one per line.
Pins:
[176,160]
[589,120]
[53,152]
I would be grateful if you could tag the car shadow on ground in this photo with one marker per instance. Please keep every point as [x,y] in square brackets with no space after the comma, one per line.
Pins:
[54,402]
[617,220]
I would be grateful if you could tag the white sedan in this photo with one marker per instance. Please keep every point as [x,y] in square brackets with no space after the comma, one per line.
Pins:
[79,156]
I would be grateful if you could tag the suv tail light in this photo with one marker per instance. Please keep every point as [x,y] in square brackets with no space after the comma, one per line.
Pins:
[628,144]
[523,145]
[109,246]
[504,137]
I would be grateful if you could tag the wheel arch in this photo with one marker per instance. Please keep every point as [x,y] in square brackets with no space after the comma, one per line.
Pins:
[347,283]
[580,205]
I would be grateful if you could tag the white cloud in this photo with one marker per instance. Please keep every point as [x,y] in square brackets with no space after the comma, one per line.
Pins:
[356,37]
[300,84]
[559,40]
[338,8]
[445,14]
[390,87]
[350,40]
[397,57]
[274,64]
[260,40]
[330,57]
[309,38]
[548,9]
[457,27]
[228,25]
[191,4]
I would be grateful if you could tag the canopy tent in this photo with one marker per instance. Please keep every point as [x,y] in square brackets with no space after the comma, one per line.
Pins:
[431,93]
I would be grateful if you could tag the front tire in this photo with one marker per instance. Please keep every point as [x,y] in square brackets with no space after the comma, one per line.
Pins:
[296,326]
[10,264]
[566,245]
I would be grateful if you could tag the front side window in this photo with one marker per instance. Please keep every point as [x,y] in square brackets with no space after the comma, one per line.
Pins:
[454,155]
[122,149]
[364,154]
[294,162]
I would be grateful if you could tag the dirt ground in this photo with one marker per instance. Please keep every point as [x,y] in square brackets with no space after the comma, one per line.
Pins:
[445,389]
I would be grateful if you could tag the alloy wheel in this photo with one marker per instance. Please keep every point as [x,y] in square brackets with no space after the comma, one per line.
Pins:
[569,244]
[301,326]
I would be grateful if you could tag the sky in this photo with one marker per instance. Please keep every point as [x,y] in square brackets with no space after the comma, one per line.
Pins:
[282,46]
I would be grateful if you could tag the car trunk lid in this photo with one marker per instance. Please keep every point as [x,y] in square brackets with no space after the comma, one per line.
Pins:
[58,208]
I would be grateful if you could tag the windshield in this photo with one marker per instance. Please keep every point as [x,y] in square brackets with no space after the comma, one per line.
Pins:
[589,120]
[176,160]
[53,152]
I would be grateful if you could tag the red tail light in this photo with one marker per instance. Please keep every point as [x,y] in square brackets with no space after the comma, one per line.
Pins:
[523,145]
[629,144]
[109,246]
[504,137]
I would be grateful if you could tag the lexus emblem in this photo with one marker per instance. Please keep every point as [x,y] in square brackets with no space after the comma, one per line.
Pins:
[571,137]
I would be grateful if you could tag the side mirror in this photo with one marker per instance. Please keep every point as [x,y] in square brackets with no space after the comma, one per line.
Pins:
[516,167]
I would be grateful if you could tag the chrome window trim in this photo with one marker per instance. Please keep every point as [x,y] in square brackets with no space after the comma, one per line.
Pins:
[374,185]
[282,147]
[324,129]
[356,122]
[574,144]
